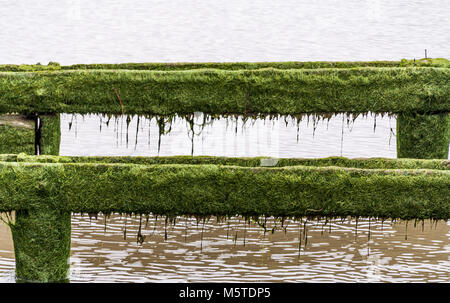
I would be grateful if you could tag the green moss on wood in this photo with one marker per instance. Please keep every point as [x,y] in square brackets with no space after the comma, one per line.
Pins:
[51,134]
[42,242]
[436,62]
[16,135]
[16,140]
[423,136]
[41,234]
[180,189]
[366,163]
[45,189]
[216,91]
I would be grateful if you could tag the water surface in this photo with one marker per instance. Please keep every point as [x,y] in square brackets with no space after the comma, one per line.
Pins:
[233,136]
[235,251]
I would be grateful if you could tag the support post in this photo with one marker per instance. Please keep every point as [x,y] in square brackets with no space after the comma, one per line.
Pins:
[423,136]
[50,134]
[41,234]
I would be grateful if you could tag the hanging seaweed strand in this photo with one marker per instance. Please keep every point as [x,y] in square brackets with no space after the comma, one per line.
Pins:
[140,237]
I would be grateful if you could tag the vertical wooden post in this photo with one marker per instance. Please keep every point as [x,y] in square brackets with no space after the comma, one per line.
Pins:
[41,234]
[16,134]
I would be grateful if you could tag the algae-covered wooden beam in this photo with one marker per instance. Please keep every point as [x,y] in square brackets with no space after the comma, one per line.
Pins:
[50,134]
[18,134]
[366,163]
[278,91]
[43,190]
[182,189]
[424,62]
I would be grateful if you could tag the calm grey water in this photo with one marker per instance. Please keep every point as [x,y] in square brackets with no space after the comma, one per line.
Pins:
[117,31]
[81,31]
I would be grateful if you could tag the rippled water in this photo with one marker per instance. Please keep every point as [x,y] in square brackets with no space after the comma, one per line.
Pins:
[235,251]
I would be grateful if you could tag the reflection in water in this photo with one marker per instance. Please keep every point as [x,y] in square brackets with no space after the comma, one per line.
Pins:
[238,251]
[307,136]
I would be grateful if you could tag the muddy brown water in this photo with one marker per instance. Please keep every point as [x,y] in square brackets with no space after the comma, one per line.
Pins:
[235,251]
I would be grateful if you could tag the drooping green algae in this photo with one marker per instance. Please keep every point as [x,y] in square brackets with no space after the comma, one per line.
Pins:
[423,136]
[41,233]
[215,91]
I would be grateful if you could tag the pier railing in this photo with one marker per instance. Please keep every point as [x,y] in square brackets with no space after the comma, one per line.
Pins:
[44,190]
